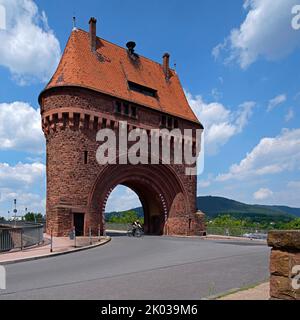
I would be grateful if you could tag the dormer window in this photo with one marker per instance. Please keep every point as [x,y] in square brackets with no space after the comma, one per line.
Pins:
[142,89]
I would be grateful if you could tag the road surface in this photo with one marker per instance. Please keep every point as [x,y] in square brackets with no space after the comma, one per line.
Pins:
[145,268]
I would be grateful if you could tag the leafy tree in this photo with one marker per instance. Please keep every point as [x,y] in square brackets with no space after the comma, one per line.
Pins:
[227,221]
[32,217]
[125,217]
[293,225]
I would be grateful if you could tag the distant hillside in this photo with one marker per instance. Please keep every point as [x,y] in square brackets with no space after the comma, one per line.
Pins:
[214,206]
[109,215]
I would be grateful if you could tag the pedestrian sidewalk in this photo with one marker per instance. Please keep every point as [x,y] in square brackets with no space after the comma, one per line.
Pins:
[260,292]
[60,246]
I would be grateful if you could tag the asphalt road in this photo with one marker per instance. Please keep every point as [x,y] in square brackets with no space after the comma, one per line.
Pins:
[146,268]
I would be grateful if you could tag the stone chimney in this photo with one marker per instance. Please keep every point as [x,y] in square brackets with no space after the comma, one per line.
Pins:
[166,65]
[93,33]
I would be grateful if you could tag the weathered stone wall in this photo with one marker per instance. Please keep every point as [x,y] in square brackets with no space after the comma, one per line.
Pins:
[285,257]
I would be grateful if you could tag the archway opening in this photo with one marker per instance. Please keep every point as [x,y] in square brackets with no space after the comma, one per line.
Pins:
[123,206]
[159,192]
[132,201]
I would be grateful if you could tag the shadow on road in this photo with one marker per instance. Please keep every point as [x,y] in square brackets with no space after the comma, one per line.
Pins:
[116,234]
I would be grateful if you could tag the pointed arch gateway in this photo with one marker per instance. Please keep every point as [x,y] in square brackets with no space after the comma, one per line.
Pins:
[157,186]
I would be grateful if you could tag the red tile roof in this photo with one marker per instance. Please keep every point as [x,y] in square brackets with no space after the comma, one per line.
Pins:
[111,68]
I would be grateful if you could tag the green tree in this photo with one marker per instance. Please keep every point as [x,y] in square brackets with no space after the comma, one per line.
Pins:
[125,217]
[293,225]
[32,217]
[227,221]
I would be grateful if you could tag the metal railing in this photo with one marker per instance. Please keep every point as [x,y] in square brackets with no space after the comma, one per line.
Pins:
[251,233]
[19,235]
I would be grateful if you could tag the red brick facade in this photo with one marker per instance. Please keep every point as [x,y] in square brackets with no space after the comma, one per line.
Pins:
[77,184]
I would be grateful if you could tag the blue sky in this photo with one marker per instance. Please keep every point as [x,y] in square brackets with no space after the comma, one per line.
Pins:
[238,62]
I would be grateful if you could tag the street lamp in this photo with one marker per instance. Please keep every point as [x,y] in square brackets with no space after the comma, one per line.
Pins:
[15,210]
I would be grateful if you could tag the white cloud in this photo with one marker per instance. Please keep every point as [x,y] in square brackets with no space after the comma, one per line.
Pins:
[121,199]
[263,194]
[204,183]
[20,128]
[21,174]
[28,47]
[276,101]
[265,32]
[24,182]
[34,202]
[270,156]
[220,123]
[290,115]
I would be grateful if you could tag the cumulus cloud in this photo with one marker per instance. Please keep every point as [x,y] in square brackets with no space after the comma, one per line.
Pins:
[34,202]
[276,101]
[270,156]
[20,128]
[24,182]
[28,47]
[263,194]
[121,199]
[220,123]
[21,174]
[265,32]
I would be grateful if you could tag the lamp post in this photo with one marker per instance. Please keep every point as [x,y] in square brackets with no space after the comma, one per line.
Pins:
[15,210]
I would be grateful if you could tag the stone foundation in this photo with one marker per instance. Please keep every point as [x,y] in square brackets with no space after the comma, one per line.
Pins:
[285,257]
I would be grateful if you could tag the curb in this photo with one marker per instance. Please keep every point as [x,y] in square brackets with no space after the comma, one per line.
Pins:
[212,238]
[222,294]
[232,291]
[55,254]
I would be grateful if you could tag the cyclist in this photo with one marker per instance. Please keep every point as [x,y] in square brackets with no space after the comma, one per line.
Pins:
[136,225]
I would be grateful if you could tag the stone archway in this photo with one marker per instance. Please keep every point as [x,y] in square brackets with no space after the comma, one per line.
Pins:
[158,188]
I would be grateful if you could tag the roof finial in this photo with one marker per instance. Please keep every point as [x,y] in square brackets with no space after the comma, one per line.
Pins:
[74,23]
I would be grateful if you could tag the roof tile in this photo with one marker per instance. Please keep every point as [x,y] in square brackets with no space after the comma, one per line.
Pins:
[111,68]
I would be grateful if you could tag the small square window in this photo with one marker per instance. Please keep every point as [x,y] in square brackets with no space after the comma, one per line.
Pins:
[126,109]
[170,122]
[133,111]
[118,107]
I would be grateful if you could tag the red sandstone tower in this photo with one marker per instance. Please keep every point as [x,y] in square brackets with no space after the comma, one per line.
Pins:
[96,85]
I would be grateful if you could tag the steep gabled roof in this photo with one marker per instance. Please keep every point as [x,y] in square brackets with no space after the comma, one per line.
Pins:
[110,69]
